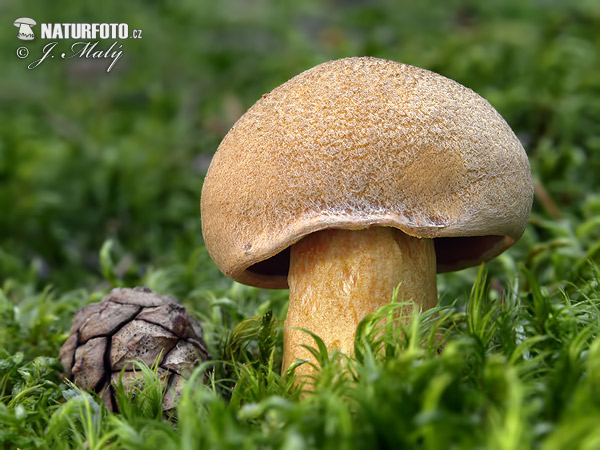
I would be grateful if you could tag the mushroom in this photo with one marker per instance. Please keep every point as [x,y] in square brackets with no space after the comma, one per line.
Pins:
[24,25]
[353,178]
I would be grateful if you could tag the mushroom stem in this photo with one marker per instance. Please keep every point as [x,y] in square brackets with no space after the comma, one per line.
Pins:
[337,277]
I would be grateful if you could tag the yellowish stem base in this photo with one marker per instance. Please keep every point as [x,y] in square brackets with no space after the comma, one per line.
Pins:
[337,277]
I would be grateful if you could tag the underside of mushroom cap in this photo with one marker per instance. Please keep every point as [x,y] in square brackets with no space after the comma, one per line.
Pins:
[363,142]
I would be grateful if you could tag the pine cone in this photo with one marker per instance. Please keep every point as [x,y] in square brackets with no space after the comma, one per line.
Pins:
[132,325]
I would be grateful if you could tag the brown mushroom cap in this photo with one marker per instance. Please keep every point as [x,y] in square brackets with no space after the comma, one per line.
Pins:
[362,142]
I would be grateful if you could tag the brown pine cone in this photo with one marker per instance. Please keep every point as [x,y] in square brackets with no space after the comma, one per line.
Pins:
[132,324]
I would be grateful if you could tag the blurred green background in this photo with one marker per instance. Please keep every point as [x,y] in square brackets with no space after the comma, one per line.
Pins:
[100,181]
[89,157]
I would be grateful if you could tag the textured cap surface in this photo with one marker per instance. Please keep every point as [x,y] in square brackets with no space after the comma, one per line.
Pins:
[360,142]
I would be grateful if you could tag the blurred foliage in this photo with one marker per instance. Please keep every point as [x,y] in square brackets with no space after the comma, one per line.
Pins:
[87,156]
